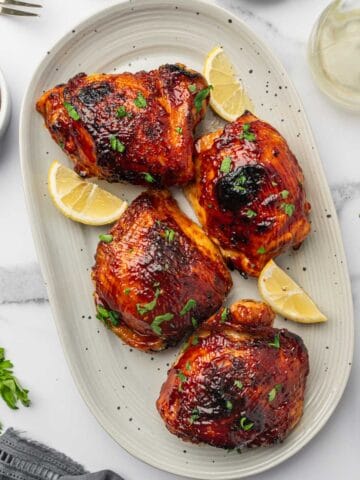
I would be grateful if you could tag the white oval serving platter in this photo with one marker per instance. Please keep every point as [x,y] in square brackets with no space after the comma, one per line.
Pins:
[120,385]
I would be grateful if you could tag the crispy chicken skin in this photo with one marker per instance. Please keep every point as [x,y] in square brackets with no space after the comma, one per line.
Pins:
[136,127]
[239,382]
[160,274]
[249,193]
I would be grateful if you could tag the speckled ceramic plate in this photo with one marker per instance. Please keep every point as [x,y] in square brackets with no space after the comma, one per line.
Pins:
[120,385]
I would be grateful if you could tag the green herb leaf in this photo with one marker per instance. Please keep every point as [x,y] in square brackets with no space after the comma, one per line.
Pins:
[239,183]
[169,235]
[238,384]
[247,134]
[225,165]
[229,405]
[183,378]
[148,177]
[195,339]
[200,97]
[250,213]
[288,208]
[188,366]
[71,111]
[116,144]
[192,88]
[10,389]
[194,322]
[261,250]
[179,130]
[190,305]
[195,415]
[224,315]
[121,112]
[102,312]
[148,307]
[155,324]
[106,238]
[284,194]
[114,318]
[276,342]
[140,101]
[274,391]
[246,424]
[127,291]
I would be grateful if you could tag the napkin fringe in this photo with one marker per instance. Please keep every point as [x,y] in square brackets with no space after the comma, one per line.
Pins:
[25,459]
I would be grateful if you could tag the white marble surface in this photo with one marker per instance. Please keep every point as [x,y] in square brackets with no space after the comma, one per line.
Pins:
[26,327]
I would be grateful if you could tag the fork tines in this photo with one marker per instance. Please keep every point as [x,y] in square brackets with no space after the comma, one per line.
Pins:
[18,3]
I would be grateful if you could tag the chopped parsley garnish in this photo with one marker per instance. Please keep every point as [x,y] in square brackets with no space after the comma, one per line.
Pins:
[71,111]
[140,101]
[127,291]
[148,177]
[195,415]
[188,366]
[239,184]
[169,234]
[192,88]
[10,389]
[224,315]
[190,305]
[229,405]
[246,424]
[107,316]
[121,112]
[179,130]
[276,342]
[155,324]
[288,208]
[195,340]
[116,145]
[194,322]
[61,145]
[247,134]
[144,308]
[261,250]
[200,97]
[225,166]
[238,384]
[284,194]
[106,238]
[183,378]
[250,213]
[274,391]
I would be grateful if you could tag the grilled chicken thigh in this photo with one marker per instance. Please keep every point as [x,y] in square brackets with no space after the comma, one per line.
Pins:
[249,193]
[239,382]
[132,127]
[159,276]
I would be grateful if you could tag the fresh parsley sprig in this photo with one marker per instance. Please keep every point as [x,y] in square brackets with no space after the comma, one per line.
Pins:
[10,389]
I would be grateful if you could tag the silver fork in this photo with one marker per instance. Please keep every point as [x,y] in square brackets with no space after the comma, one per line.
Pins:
[17,3]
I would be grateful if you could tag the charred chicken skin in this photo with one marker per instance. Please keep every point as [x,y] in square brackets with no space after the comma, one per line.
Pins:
[249,193]
[159,276]
[240,382]
[132,127]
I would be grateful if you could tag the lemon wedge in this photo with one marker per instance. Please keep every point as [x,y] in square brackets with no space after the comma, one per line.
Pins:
[228,98]
[82,201]
[285,297]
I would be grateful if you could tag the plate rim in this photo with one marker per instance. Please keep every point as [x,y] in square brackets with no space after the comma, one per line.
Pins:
[46,270]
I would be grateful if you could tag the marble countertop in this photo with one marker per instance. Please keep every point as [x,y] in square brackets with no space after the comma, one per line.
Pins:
[27,330]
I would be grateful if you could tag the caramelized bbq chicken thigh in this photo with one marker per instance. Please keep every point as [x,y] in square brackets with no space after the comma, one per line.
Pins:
[239,382]
[249,193]
[136,127]
[159,276]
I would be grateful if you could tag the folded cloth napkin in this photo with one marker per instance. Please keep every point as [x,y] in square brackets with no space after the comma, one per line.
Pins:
[23,459]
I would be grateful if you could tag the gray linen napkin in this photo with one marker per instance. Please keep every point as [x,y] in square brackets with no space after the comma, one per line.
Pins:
[23,459]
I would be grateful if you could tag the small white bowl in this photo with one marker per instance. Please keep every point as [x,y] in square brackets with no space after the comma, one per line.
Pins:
[5,105]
